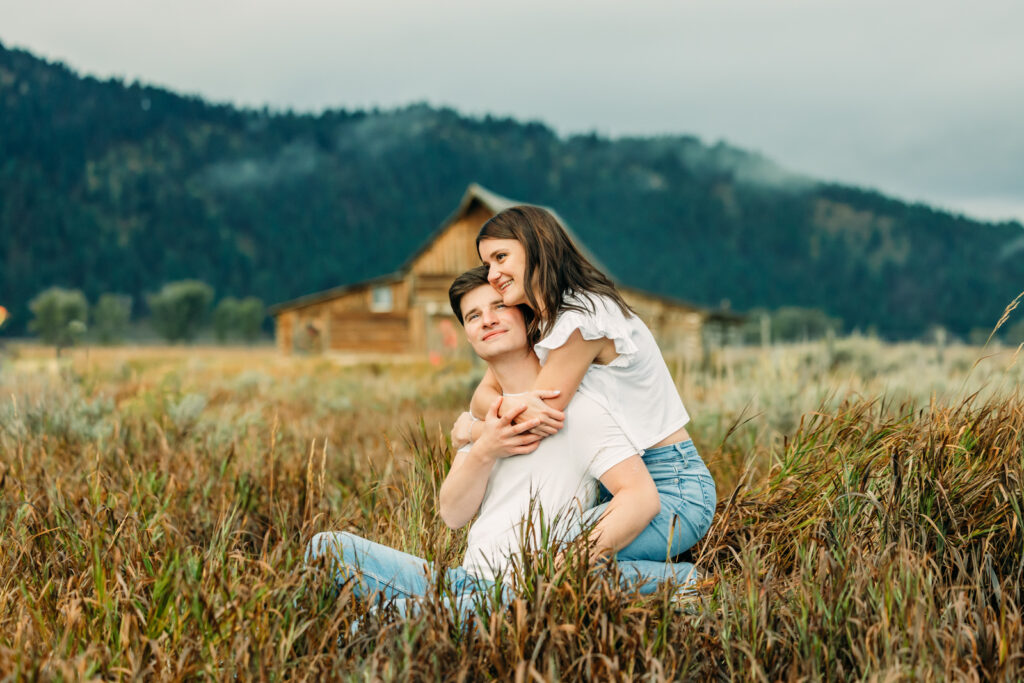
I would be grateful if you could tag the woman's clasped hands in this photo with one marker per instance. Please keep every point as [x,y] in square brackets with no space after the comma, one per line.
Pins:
[527,412]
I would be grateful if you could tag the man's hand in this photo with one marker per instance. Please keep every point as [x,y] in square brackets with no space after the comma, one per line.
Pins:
[501,438]
[530,407]
[462,431]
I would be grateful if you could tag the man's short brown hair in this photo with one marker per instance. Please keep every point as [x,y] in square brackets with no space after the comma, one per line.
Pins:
[463,285]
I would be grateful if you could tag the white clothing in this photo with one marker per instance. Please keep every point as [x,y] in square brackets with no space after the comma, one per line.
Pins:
[554,483]
[636,388]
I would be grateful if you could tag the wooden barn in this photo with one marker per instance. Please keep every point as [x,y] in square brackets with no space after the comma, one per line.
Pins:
[407,312]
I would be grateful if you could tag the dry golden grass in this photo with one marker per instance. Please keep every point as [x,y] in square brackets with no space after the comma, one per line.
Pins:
[156,503]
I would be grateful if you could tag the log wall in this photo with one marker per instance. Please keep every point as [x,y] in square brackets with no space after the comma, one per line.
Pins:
[283,327]
[371,332]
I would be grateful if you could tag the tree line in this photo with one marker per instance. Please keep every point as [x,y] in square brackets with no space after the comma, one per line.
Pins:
[796,324]
[180,310]
[177,313]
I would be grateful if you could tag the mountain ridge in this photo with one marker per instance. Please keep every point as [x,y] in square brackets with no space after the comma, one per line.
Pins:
[108,186]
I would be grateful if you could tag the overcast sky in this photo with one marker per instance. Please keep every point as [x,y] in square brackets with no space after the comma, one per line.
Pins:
[922,99]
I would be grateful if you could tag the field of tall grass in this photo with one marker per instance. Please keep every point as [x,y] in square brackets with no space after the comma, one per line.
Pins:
[155,505]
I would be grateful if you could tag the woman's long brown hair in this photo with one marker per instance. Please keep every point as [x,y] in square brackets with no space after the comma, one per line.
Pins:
[554,266]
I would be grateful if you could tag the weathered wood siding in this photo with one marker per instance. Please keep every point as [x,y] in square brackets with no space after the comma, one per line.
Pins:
[366,331]
[361,299]
[348,322]
[284,325]
[454,251]
[676,327]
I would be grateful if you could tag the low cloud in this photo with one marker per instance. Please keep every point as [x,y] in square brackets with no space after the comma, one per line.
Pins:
[296,160]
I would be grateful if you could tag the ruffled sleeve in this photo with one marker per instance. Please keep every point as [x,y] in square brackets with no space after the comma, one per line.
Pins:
[602,319]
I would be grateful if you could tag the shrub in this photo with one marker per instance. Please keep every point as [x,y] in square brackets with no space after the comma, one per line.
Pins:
[184,413]
[110,317]
[55,311]
[224,317]
[62,413]
[238,318]
[790,323]
[249,318]
[179,308]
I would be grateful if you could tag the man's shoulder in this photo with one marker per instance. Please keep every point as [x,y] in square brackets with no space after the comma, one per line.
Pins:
[586,413]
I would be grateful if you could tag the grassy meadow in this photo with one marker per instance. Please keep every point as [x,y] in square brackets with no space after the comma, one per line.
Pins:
[155,504]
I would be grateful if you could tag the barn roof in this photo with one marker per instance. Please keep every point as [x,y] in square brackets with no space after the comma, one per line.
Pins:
[477,193]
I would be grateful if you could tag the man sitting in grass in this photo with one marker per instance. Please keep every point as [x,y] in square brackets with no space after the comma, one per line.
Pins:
[521,491]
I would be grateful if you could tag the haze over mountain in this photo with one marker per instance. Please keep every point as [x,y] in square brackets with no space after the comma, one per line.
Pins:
[117,187]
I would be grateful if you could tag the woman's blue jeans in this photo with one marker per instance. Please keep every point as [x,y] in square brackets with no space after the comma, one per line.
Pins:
[687,493]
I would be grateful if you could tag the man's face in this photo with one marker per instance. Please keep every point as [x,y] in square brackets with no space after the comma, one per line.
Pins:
[492,328]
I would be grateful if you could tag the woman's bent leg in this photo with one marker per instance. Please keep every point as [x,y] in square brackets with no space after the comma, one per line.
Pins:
[687,494]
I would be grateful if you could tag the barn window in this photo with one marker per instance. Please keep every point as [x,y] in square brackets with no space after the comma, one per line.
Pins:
[381,301]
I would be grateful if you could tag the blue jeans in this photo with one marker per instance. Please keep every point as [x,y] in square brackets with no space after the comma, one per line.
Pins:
[688,498]
[401,577]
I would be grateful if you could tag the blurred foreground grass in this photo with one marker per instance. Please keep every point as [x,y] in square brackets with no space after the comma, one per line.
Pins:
[156,503]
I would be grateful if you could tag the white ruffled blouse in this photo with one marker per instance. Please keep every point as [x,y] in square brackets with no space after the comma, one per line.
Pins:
[636,387]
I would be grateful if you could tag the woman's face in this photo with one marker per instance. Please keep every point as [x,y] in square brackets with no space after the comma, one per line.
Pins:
[507,262]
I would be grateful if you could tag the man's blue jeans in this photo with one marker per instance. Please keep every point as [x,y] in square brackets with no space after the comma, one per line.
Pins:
[402,577]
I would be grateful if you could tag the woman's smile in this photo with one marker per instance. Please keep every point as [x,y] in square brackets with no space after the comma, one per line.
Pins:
[506,260]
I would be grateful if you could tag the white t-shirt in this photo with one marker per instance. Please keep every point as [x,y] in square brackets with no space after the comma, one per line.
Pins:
[560,478]
[636,388]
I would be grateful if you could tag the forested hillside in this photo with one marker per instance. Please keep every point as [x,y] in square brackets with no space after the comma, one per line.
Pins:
[114,187]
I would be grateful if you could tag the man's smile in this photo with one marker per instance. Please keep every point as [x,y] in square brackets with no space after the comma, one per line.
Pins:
[493,333]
